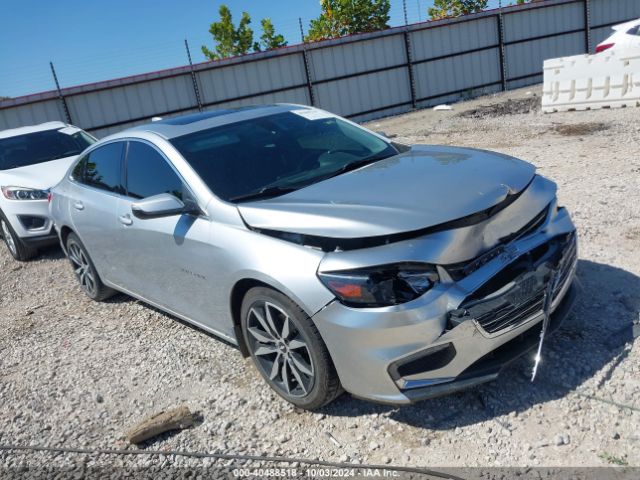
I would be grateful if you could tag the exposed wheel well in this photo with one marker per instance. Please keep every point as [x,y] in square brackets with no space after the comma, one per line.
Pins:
[240,289]
[64,233]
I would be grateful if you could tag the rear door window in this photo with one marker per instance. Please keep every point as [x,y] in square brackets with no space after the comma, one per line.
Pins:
[149,173]
[103,168]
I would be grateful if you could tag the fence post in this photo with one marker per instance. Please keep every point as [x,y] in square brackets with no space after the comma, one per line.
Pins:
[196,90]
[503,66]
[307,70]
[60,96]
[587,25]
[412,81]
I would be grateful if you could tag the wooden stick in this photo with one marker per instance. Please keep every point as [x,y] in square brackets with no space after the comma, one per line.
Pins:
[175,419]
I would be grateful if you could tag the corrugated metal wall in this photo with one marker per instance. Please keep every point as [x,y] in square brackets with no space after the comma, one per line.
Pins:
[362,76]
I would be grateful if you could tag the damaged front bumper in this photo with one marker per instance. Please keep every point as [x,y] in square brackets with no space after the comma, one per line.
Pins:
[461,333]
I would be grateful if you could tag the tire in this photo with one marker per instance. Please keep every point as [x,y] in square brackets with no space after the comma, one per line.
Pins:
[17,248]
[292,359]
[85,271]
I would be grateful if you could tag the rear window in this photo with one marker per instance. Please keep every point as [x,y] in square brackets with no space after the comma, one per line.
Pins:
[39,147]
[634,31]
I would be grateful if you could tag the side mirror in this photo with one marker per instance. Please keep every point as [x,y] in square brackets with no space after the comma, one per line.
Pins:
[162,205]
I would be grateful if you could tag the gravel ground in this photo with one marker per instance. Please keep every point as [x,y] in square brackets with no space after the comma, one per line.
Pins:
[76,373]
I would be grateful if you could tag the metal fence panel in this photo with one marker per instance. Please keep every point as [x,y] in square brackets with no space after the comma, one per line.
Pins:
[355,95]
[454,38]
[252,78]
[30,114]
[554,19]
[457,74]
[606,12]
[352,58]
[526,58]
[137,102]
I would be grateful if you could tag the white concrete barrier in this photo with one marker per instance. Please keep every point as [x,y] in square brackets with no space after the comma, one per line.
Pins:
[610,79]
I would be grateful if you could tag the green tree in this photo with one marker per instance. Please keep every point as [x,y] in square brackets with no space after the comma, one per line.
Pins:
[455,8]
[344,17]
[230,41]
[269,39]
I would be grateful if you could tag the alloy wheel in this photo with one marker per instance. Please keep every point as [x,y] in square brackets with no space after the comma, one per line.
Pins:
[280,350]
[82,268]
[8,238]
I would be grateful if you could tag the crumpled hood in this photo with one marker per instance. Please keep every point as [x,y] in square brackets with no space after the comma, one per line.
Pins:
[41,175]
[423,187]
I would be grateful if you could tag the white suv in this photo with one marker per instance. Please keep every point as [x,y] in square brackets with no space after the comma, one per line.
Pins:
[32,160]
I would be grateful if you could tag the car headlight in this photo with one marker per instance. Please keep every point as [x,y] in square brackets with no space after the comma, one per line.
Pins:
[380,286]
[23,193]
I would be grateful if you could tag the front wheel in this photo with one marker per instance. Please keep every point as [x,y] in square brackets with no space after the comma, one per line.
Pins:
[287,349]
[85,270]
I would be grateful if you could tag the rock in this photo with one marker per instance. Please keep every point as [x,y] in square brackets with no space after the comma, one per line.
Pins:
[373,446]
[99,398]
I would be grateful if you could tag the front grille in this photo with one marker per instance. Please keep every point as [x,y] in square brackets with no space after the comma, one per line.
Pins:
[458,271]
[510,315]
[517,292]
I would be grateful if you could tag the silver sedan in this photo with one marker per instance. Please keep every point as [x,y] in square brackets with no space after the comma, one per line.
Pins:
[335,258]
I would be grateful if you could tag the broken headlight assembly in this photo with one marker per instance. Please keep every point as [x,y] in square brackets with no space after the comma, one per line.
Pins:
[380,286]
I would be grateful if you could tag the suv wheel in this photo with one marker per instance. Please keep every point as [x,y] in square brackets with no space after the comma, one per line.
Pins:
[287,349]
[17,248]
[85,270]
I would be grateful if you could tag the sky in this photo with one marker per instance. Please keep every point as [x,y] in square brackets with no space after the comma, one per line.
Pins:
[89,40]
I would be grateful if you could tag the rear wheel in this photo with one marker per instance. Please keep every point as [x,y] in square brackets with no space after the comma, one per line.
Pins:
[17,248]
[85,270]
[287,349]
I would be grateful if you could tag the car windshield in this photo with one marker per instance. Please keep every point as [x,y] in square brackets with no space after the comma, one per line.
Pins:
[44,146]
[275,154]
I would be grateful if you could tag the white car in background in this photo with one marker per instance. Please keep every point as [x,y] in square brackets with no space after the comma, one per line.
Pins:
[626,35]
[32,160]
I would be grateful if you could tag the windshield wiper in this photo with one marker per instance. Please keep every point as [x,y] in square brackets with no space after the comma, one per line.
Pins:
[266,192]
[356,164]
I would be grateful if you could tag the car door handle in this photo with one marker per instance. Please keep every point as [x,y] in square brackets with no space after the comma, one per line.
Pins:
[126,219]
[78,205]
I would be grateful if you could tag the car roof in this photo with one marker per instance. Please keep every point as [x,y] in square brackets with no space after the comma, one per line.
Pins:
[623,27]
[14,132]
[177,126]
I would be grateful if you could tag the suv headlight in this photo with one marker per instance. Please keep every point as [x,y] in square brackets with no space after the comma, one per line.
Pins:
[23,193]
[380,286]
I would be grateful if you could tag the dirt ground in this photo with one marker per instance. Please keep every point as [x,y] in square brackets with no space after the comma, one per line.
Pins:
[75,373]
